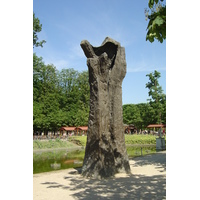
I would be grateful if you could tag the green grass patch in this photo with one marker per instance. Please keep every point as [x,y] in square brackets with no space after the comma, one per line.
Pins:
[129,139]
[134,151]
[59,155]
[79,140]
[52,144]
[140,139]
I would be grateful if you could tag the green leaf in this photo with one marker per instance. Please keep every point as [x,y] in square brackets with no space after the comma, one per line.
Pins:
[158,21]
[156,28]
[151,2]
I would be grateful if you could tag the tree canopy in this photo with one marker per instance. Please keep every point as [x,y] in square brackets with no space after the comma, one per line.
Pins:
[37,27]
[157,99]
[152,112]
[156,28]
[60,98]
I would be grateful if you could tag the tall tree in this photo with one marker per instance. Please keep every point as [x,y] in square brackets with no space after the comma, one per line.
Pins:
[163,111]
[156,96]
[38,64]
[69,89]
[156,28]
[45,96]
[60,98]
[37,27]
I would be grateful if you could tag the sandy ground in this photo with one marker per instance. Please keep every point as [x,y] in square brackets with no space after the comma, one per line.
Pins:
[148,181]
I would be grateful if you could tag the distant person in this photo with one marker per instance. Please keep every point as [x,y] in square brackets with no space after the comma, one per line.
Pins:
[164,132]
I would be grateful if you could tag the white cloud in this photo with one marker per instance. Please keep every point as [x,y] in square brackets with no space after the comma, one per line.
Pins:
[143,67]
[138,69]
[60,64]
[76,52]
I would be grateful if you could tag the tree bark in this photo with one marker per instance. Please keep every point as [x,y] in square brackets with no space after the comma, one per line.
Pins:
[105,153]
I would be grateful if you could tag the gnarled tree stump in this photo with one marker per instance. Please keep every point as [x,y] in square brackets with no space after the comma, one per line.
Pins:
[105,153]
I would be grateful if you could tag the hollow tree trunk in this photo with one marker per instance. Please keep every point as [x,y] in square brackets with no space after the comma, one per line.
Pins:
[105,153]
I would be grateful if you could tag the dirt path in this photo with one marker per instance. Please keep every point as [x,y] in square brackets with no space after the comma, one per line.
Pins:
[148,181]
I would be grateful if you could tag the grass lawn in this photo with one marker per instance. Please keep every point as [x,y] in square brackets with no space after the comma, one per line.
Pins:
[52,144]
[140,139]
[81,141]
[129,139]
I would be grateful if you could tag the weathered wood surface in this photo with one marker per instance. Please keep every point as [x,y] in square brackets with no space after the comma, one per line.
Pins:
[105,153]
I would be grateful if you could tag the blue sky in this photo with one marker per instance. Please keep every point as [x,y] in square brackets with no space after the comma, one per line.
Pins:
[66,23]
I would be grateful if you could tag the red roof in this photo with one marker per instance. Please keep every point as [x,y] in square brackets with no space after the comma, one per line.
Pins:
[66,128]
[83,128]
[72,128]
[156,126]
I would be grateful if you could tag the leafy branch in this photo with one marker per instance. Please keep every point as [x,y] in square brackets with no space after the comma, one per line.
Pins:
[37,27]
[156,28]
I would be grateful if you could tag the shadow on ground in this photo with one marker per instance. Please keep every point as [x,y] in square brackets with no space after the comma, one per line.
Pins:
[158,159]
[130,187]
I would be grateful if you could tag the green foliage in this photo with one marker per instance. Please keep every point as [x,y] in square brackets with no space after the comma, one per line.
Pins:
[60,98]
[153,2]
[153,112]
[157,99]
[156,28]
[140,115]
[37,27]
[132,115]
[154,88]
[146,113]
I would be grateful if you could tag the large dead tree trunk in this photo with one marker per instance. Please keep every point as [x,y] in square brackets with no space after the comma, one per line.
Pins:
[105,153]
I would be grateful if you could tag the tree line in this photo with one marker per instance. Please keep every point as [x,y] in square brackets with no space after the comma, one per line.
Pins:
[152,112]
[60,98]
